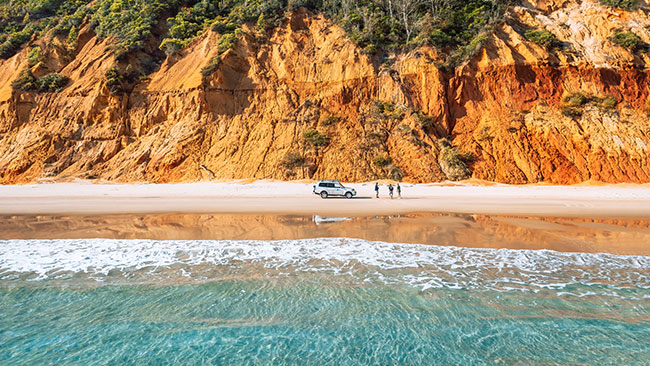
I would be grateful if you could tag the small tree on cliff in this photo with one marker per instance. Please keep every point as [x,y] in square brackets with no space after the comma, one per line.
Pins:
[407,15]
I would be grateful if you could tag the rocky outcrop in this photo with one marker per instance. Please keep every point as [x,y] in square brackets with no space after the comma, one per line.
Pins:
[503,112]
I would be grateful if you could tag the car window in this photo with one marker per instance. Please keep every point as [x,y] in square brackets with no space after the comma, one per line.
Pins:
[322,184]
[330,185]
[338,185]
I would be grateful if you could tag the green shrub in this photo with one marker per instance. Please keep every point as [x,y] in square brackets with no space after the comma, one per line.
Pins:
[388,110]
[575,100]
[622,4]
[171,46]
[114,80]
[222,25]
[26,82]
[574,104]
[266,22]
[211,67]
[119,81]
[571,112]
[382,161]
[293,160]
[34,56]
[20,19]
[608,102]
[71,17]
[394,172]
[628,40]
[331,120]
[425,122]
[226,42]
[316,138]
[457,27]
[129,21]
[452,162]
[15,41]
[405,130]
[543,38]
[49,83]
[73,34]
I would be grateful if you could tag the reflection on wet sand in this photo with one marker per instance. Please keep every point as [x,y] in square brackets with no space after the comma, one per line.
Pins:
[623,236]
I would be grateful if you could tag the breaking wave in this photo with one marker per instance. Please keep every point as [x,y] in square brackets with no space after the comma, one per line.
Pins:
[420,266]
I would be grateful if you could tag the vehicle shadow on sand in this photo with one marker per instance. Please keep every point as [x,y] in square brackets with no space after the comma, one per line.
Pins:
[345,198]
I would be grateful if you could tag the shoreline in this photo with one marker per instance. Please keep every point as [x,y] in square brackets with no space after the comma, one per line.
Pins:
[576,235]
[268,197]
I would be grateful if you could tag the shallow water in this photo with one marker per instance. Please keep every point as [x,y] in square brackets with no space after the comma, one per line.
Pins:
[617,236]
[327,301]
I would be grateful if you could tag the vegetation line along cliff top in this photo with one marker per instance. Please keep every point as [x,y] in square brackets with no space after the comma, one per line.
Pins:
[414,90]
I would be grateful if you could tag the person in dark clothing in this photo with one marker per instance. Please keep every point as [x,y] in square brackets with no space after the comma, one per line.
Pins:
[377,190]
[390,190]
[399,191]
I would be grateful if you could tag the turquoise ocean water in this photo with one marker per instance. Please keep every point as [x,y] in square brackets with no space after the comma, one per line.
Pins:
[332,301]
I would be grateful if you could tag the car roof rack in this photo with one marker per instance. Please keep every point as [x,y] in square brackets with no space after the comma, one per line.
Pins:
[328,180]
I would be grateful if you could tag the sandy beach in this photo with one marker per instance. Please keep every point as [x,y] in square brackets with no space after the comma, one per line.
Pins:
[270,197]
[613,219]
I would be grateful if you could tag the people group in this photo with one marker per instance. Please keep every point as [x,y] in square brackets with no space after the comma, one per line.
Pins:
[390,190]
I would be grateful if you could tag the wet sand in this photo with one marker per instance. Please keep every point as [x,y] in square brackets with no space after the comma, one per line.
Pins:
[616,236]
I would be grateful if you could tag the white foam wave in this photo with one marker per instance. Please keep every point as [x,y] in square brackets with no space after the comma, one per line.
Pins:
[424,266]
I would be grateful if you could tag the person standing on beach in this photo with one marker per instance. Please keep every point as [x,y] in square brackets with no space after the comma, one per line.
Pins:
[390,190]
[377,190]
[399,191]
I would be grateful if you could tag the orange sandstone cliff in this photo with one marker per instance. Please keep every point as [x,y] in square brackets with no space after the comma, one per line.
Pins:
[505,115]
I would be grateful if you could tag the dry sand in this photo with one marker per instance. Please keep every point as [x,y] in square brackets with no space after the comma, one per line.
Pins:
[268,197]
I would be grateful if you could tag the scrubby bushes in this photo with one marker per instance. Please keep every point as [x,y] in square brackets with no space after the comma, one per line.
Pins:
[425,122]
[388,110]
[34,56]
[543,38]
[387,169]
[457,27]
[575,103]
[225,17]
[622,4]
[20,20]
[118,81]
[452,163]
[26,81]
[227,42]
[129,21]
[114,80]
[14,41]
[450,25]
[315,138]
[608,102]
[49,83]
[382,161]
[628,40]
[211,67]
[576,99]
[293,160]
[331,120]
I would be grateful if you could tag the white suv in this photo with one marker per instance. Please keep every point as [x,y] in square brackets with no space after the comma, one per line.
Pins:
[326,188]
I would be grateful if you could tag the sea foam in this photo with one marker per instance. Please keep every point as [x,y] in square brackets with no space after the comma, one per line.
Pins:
[422,266]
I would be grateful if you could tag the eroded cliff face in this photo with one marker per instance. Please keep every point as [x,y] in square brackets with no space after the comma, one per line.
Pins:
[502,110]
